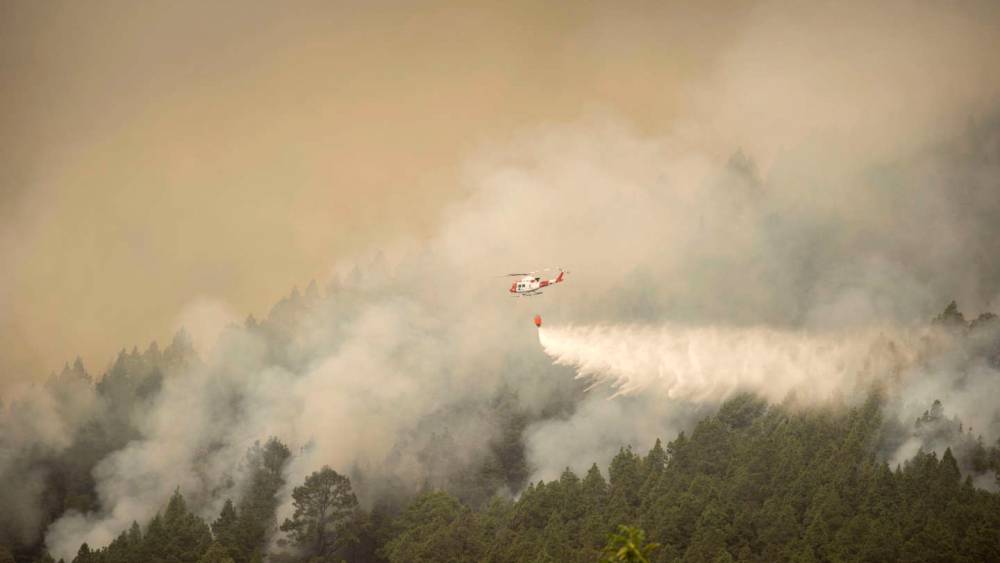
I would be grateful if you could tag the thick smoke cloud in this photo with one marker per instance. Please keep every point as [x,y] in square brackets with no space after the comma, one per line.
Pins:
[402,348]
[779,248]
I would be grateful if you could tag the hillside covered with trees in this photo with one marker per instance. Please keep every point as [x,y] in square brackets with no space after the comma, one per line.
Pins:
[751,482]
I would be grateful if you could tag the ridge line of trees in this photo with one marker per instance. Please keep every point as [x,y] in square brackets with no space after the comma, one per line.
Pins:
[754,482]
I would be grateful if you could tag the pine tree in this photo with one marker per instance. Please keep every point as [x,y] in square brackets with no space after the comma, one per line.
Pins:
[188,537]
[256,511]
[84,555]
[556,539]
[573,508]
[624,482]
[435,527]
[594,493]
[216,553]
[155,541]
[323,506]
[653,466]
[225,528]
[134,535]
[712,535]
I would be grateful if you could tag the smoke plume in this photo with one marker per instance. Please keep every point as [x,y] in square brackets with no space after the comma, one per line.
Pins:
[826,195]
[413,345]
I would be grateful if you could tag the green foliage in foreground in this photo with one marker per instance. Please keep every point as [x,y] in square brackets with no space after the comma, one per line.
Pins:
[629,544]
[751,483]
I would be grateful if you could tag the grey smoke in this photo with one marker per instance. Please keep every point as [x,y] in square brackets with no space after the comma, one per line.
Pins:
[648,233]
[805,229]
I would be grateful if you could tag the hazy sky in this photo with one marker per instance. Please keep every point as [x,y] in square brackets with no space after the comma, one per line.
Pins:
[160,160]
[155,153]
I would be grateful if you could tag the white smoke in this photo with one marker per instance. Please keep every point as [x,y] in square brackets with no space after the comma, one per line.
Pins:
[817,245]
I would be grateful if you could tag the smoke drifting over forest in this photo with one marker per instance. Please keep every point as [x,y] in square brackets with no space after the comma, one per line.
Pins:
[826,195]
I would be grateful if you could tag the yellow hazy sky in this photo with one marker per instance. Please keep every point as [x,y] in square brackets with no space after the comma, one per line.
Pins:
[155,153]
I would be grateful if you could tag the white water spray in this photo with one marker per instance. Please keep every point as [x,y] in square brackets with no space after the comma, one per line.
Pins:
[712,362]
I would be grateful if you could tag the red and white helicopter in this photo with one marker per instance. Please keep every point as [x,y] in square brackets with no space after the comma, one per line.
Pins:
[531,284]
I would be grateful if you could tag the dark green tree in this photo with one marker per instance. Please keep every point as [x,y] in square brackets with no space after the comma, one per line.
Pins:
[187,535]
[436,527]
[225,529]
[216,553]
[84,555]
[324,505]
[256,510]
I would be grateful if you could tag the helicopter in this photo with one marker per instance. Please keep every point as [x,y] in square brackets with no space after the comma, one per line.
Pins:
[531,284]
